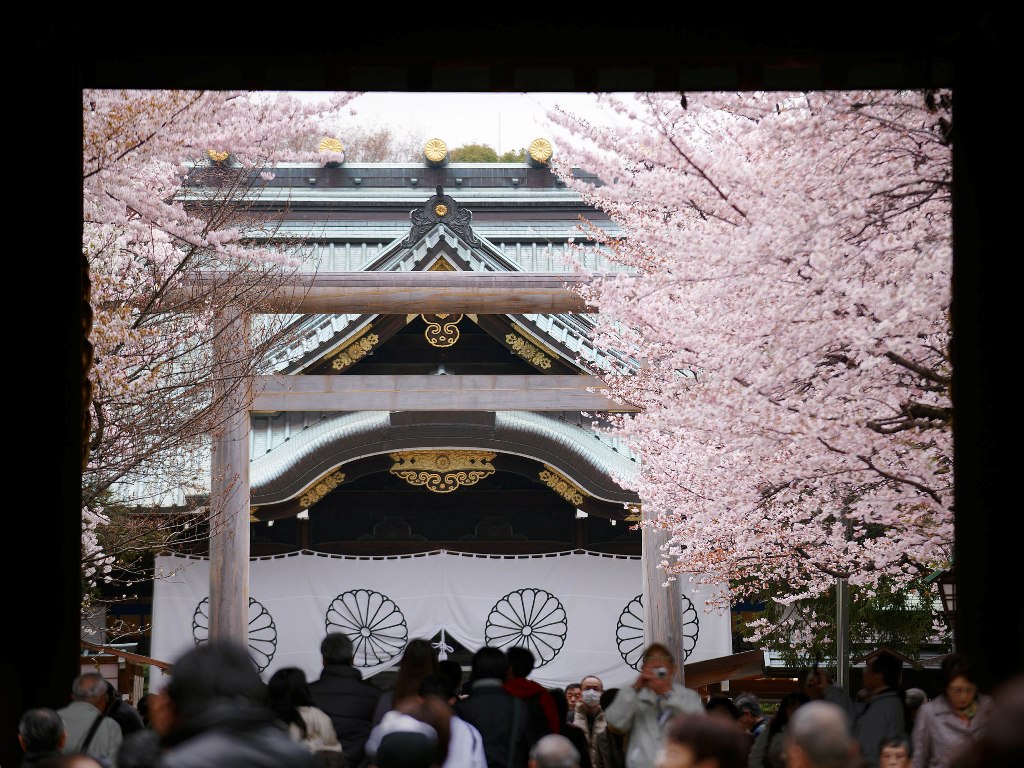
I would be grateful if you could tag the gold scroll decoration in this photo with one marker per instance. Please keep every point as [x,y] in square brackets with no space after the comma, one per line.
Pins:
[562,485]
[633,513]
[529,352]
[442,471]
[355,350]
[442,329]
[435,151]
[320,489]
[540,150]
[217,157]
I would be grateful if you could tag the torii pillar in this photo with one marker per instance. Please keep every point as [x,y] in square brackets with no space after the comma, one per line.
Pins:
[229,479]
[662,604]
[361,292]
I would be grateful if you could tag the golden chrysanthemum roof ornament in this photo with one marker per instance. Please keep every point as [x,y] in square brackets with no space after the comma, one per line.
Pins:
[330,144]
[332,152]
[539,152]
[435,152]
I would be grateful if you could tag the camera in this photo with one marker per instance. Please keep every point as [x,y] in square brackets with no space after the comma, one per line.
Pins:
[661,672]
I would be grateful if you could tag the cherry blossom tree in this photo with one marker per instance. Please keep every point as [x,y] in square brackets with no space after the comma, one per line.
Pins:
[791,325]
[169,180]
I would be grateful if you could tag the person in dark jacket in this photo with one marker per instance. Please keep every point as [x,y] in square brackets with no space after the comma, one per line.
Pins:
[882,716]
[501,718]
[41,734]
[211,714]
[121,712]
[567,729]
[611,743]
[543,717]
[342,693]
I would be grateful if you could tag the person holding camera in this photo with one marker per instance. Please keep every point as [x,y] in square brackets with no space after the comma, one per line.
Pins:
[643,709]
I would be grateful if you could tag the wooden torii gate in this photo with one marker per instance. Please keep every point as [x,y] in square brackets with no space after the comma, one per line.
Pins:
[390,293]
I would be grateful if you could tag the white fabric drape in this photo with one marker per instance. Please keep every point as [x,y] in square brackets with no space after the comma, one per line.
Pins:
[577,612]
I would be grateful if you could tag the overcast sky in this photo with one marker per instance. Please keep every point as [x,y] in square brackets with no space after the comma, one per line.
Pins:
[502,120]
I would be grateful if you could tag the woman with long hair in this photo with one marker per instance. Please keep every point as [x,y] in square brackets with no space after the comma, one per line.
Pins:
[289,698]
[769,749]
[418,661]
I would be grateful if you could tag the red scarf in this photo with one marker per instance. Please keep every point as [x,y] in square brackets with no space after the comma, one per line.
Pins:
[523,688]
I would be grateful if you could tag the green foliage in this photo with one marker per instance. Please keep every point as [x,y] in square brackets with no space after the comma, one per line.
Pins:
[902,620]
[513,156]
[484,153]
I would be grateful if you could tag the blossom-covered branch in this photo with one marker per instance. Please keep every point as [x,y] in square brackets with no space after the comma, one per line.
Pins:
[792,323]
[151,225]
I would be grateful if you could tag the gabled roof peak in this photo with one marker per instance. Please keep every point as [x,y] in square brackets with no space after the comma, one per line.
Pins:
[441,209]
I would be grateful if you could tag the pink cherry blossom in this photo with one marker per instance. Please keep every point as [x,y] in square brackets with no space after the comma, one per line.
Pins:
[791,329]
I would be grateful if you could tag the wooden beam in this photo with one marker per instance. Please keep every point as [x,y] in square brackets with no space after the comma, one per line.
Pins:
[420,292]
[431,393]
[137,658]
[736,666]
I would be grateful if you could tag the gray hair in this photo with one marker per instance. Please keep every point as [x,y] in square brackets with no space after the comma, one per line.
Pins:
[820,729]
[41,729]
[336,648]
[554,751]
[748,702]
[915,698]
[89,686]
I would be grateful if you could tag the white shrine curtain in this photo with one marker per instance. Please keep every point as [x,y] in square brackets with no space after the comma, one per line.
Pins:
[580,613]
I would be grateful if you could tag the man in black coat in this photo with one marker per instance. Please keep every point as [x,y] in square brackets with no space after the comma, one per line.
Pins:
[501,718]
[212,715]
[121,712]
[342,693]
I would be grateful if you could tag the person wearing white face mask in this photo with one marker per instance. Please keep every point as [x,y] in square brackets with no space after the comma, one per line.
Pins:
[589,715]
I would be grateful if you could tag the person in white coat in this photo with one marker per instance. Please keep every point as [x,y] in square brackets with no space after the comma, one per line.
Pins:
[643,709]
[465,744]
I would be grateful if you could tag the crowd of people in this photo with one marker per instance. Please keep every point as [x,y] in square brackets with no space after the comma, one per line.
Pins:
[216,712]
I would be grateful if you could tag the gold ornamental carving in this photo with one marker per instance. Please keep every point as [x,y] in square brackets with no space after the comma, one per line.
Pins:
[442,471]
[540,150]
[442,329]
[217,157]
[562,485]
[633,513]
[435,151]
[441,265]
[321,489]
[529,352]
[329,144]
[440,209]
[355,350]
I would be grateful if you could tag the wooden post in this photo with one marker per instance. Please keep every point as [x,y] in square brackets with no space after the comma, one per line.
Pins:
[843,635]
[229,482]
[662,604]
